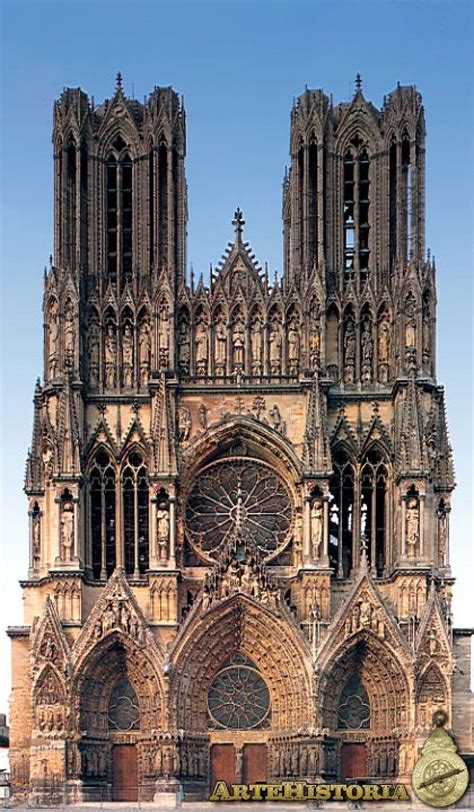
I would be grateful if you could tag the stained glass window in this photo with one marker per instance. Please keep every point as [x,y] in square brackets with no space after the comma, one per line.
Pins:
[124,712]
[238,698]
[354,707]
[243,497]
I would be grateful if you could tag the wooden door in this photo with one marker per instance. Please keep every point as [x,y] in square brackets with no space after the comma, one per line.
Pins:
[223,764]
[124,772]
[353,761]
[255,765]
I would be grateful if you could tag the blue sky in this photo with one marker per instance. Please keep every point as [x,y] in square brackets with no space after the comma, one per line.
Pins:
[239,65]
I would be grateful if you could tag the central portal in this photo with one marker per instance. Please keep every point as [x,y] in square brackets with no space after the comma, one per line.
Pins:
[224,758]
[124,772]
[353,761]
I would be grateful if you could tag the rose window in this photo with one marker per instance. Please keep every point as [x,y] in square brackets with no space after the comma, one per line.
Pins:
[123,713]
[238,699]
[238,498]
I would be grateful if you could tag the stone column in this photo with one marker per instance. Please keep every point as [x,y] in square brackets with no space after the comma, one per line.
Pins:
[172,547]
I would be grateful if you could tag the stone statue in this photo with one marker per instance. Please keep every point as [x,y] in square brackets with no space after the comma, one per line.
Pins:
[164,337]
[201,348]
[110,356]
[442,536]
[127,355]
[275,348]
[410,323]
[367,347]
[93,352]
[162,531]
[384,348]
[412,523]
[203,416]
[36,539]
[276,419]
[144,342]
[67,531]
[256,343]
[317,527]
[315,342]
[221,345]
[238,344]
[349,352]
[365,614]
[53,340]
[184,423]
[293,348]
[69,332]
[183,347]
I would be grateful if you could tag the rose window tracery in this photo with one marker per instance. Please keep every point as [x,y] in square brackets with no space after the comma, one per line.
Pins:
[123,713]
[238,498]
[238,698]
[354,708]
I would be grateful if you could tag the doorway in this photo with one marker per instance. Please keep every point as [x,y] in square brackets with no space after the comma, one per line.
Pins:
[124,772]
[353,761]
[255,764]
[223,764]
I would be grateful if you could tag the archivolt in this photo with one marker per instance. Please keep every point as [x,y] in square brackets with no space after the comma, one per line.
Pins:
[240,625]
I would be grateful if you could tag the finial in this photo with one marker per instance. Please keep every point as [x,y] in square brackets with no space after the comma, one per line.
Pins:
[118,82]
[238,222]
[358,83]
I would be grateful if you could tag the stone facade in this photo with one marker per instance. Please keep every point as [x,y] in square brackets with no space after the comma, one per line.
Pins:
[239,492]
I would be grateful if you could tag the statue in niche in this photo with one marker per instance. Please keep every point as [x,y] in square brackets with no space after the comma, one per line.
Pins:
[221,345]
[164,338]
[276,419]
[426,337]
[410,324]
[183,347]
[293,347]
[275,348]
[162,531]
[144,342]
[315,342]
[367,347]
[442,535]
[238,344]
[36,539]
[349,352]
[110,356]
[201,347]
[53,340]
[93,352]
[256,345]
[69,332]
[412,524]
[127,355]
[384,348]
[67,531]
[317,527]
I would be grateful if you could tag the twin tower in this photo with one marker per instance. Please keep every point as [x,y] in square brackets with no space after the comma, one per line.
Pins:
[244,478]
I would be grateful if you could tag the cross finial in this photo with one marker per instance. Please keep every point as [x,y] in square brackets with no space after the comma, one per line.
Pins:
[358,82]
[238,222]
[118,82]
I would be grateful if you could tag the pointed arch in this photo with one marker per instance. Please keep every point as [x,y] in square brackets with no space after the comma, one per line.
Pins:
[342,510]
[135,505]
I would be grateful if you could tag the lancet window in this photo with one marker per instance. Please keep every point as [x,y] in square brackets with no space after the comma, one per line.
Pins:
[341,515]
[356,168]
[373,508]
[135,514]
[119,195]
[102,515]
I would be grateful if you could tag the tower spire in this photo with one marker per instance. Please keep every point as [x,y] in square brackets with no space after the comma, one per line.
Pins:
[238,222]
[358,83]
[118,82]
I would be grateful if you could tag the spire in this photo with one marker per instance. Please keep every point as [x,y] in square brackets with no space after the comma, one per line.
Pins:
[358,83]
[118,82]
[238,222]
[316,440]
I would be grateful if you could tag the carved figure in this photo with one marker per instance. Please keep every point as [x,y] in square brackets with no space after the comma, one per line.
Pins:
[317,526]
[67,531]
[164,337]
[442,536]
[69,331]
[412,523]
[110,356]
[275,348]
[36,539]
[201,347]
[184,423]
[293,347]
[315,342]
[256,344]
[349,352]
[203,416]
[183,347]
[127,355]
[93,352]
[238,344]
[144,348]
[162,531]
[221,345]
[367,351]
[53,339]
[410,323]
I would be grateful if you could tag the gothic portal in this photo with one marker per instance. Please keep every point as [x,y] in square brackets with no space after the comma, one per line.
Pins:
[239,492]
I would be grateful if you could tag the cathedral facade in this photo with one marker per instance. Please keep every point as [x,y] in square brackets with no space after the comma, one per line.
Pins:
[238,490]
